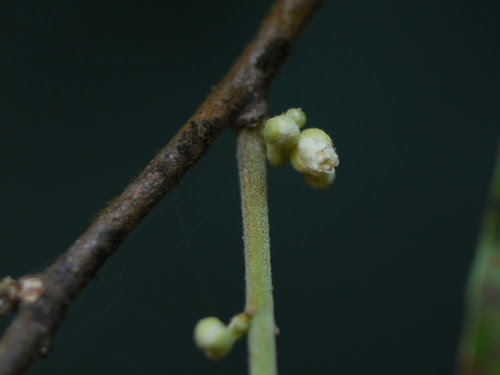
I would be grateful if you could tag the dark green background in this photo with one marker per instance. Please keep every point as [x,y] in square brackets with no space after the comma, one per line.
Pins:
[369,276]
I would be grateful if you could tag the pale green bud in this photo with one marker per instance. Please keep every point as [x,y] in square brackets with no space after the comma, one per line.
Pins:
[319,182]
[314,153]
[317,134]
[216,339]
[297,115]
[213,338]
[276,156]
[281,131]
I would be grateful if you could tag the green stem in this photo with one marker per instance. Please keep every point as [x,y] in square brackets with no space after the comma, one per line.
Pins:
[480,345]
[259,299]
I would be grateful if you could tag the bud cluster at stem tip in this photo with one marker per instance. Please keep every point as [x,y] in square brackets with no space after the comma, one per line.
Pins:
[311,152]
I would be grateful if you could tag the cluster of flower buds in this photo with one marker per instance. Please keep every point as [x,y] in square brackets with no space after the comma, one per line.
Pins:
[311,151]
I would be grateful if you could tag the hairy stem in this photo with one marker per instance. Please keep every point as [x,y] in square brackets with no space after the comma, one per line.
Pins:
[253,185]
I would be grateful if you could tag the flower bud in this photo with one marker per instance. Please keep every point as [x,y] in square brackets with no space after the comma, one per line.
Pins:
[216,339]
[318,135]
[319,182]
[276,156]
[297,115]
[213,338]
[281,131]
[314,153]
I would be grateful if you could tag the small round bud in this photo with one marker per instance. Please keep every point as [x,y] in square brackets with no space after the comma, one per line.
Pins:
[277,157]
[297,115]
[213,338]
[317,134]
[281,131]
[314,153]
[319,182]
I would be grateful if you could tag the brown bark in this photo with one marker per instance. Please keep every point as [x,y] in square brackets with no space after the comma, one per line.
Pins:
[238,100]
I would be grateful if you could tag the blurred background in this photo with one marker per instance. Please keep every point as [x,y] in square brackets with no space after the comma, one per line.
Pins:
[369,276]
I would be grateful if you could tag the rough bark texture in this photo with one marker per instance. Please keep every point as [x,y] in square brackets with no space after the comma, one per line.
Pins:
[239,100]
